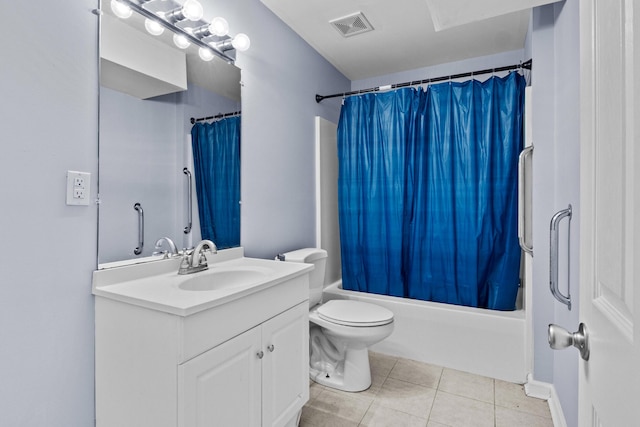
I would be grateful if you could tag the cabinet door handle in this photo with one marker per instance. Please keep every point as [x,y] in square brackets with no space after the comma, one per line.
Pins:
[260,354]
[271,347]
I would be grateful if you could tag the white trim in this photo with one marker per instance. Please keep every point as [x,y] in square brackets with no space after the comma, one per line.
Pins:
[318,186]
[546,391]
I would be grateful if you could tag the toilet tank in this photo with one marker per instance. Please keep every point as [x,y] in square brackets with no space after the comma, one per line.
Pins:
[317,257]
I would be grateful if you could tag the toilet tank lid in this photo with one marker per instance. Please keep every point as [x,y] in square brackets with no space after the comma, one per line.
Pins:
[305,255]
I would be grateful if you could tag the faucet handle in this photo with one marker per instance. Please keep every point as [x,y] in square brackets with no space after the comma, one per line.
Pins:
[202,261]
[165,253]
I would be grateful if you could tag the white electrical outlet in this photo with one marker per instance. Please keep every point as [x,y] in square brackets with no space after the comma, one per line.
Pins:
[78,188]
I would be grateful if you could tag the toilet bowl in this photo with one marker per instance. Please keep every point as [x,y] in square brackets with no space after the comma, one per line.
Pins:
[340,331]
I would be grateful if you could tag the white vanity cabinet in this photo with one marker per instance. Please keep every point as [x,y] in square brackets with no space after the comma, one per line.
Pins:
[241,362]
[257,378]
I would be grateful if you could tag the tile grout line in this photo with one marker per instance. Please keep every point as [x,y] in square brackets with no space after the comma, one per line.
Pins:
[375,397]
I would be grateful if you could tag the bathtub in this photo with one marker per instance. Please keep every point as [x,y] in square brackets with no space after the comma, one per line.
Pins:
[484,342]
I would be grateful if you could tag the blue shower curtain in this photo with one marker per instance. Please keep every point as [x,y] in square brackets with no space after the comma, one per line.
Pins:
[216,158]
[428,192]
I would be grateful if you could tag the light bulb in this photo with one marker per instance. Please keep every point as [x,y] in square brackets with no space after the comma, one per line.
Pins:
[219,26]
[205,54]
[121,10]
[153,27]
[241,42]
[181,41]
[192,10]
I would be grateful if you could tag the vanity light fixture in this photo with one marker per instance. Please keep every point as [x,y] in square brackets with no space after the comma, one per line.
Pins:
[218,27]
[176,21]
[240,42]
[153,27]
[191,10]
[205,54]
[121,10]
[181,41]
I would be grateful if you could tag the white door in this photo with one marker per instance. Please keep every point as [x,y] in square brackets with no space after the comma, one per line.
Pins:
[610,210]
[285,366]
[222,386]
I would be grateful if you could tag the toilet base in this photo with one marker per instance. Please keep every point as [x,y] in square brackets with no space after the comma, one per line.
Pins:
[354,376]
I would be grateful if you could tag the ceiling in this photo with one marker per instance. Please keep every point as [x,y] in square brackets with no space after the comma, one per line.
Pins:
[404,35]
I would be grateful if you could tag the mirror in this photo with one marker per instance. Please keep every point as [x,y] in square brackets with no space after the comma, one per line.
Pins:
[147,100]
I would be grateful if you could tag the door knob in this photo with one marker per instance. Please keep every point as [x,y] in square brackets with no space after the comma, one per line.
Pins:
[560,338]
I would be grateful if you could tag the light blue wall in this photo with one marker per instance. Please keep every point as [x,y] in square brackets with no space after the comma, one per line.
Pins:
[556,48]
[48,111]
[468,65]
[281,75]
[48,116]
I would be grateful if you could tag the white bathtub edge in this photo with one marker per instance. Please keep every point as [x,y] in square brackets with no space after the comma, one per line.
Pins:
[484,342]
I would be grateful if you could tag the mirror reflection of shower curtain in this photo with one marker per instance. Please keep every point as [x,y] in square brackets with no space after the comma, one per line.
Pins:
[216,158]
[428,192]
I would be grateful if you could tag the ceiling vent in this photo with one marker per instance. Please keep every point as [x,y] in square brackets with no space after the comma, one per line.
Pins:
[351,25]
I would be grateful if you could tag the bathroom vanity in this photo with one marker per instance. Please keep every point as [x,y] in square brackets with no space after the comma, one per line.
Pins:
[227,346]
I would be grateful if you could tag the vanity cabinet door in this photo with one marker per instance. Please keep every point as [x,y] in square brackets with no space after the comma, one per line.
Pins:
[222,386]
[285,366]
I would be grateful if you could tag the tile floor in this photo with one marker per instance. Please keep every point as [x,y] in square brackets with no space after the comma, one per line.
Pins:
[409,393]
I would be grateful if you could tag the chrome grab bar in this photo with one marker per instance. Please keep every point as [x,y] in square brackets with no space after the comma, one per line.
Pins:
[521,200]
[187,229]
[554,231]
[138,208]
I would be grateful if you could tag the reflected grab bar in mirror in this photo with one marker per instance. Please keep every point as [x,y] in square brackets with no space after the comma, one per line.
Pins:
[554,232]
[138,208]
[522,206]
[187,229]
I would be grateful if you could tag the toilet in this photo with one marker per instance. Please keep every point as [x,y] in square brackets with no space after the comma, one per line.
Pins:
[340,331]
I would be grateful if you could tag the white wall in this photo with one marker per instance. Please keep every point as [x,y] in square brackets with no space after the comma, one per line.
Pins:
[555,45]
[48,115]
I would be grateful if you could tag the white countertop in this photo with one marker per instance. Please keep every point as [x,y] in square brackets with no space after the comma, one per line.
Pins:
[155,285]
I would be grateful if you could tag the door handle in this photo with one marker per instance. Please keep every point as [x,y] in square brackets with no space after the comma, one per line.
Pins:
[560,338]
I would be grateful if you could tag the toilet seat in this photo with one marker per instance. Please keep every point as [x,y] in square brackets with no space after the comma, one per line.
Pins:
[354,313]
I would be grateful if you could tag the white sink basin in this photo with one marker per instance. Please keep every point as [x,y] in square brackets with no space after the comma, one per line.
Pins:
[158,286]
[216,278]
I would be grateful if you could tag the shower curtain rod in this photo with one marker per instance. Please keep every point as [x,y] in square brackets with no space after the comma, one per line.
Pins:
[527,65]
[217,116]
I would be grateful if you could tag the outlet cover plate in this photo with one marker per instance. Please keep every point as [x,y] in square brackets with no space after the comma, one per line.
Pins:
[78,188]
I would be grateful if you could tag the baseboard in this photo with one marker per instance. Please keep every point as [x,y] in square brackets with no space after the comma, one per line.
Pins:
[546,391]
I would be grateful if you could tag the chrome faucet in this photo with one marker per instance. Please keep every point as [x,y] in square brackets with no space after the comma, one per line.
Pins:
[195,261]
[173,251]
